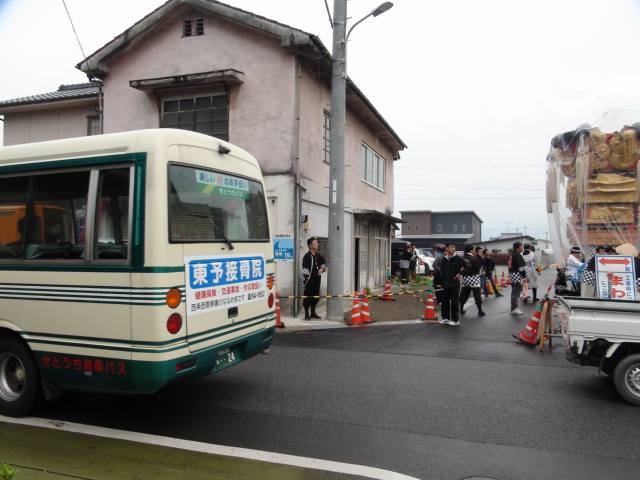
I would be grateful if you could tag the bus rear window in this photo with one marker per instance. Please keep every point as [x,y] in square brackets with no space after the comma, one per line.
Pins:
[207,206]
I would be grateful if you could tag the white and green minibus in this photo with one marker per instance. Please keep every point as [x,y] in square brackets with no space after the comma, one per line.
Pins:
[129,262]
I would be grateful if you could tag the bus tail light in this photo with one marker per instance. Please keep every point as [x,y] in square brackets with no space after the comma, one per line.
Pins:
[173,297]
[174,323]
[271,300]
[271,281]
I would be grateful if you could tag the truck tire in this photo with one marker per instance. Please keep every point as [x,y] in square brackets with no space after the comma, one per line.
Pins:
[626,378]
[19,378]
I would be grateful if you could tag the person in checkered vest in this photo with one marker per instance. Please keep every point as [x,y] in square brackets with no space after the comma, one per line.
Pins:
[451,267]
[517,275]
[531,269]
[405,263]
[313,266]
[588,275]
[470,281]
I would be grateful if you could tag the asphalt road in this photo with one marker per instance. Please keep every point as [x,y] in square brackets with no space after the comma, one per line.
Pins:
[426,400]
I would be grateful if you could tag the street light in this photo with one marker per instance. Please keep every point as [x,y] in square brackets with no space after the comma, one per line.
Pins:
[336,233]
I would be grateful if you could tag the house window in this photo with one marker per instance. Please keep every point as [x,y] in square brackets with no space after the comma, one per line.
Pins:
[208,114]
[438,228]
[326,146]
[416,228]
[93,125]
[193,27]
[373,168]
[464,227]
[408,228]
[455,228]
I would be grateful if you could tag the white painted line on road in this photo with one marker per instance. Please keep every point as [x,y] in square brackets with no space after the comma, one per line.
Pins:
[261,456]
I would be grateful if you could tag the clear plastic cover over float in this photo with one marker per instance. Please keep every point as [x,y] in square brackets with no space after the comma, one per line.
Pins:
[592,189]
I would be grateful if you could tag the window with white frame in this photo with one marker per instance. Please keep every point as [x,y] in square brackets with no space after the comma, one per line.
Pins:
[326,137]
[455,228]
[439,228]
[373,168]
[208,114]
[93,125]
[464,227]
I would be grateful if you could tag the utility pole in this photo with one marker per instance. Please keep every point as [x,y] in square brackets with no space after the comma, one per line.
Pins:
[336,233]
[335,273]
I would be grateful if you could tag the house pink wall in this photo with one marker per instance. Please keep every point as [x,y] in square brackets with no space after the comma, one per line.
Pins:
[261,109]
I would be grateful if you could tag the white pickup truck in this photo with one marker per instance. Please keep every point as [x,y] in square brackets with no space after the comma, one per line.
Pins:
[605,334]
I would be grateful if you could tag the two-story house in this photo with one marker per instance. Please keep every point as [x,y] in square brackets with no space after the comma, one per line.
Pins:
[209,67]
[425,228]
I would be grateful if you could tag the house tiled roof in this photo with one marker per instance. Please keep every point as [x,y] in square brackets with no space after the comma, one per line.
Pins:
[65,92]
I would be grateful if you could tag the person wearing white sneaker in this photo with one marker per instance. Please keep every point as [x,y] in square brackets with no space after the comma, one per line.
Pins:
[517,275]
[450,268]
[442,321]
[453,322]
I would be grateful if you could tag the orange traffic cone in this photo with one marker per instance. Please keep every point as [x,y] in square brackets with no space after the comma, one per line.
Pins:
[529,335]
[495,279]
[356,318]
[508,278]
[279,323]
[387,293]
[430,311]
[503,281]
[364,310]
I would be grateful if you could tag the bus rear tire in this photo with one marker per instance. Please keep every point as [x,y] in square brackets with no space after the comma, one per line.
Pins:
[19,378]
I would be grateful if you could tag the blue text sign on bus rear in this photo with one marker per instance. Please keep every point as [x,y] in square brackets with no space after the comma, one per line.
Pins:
[217,282]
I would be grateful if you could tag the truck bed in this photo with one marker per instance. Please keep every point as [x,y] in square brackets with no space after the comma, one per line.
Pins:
[615,320]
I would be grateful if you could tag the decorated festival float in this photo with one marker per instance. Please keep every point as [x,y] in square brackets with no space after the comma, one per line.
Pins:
[592,188]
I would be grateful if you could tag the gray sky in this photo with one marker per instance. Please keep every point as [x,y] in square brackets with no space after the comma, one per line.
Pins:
[476,89]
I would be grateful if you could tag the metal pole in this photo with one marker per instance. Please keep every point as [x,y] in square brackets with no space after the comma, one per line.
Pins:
[336,233]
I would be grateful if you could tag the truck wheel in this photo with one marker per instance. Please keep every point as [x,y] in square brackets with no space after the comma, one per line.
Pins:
[19,378]
[626,378]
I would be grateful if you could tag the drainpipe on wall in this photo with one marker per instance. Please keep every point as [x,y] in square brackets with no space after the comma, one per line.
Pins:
[295,305]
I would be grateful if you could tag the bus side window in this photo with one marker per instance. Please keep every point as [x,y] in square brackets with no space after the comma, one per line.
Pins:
[112,215]
[54,200]
[13,206]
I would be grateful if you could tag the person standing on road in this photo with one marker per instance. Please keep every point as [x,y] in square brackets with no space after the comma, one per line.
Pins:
[490,266]
[438,248]
[571,272]
[405,263]
[413,264]
[483,271]
[313,266]
[588,275]
[471,281]
[517,276]
[531,270]
[451,267]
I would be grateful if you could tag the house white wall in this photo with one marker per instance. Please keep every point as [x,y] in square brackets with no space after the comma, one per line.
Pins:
[47,124]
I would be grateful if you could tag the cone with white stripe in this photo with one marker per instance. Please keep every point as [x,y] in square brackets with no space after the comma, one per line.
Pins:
[529,336]
[430,311]
[365,314]
[279,323]
[387,293]
[356,317]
